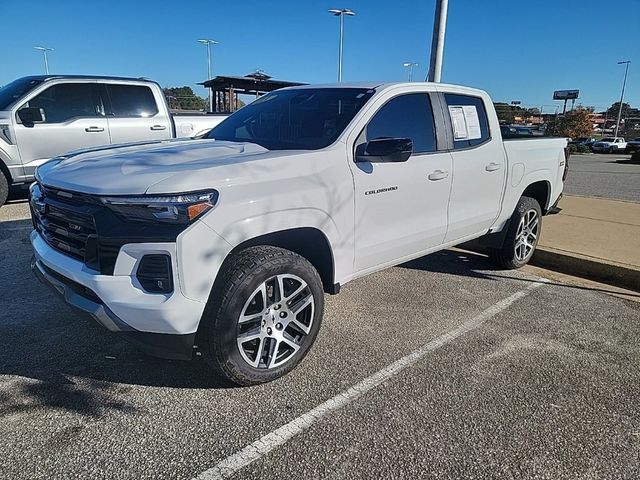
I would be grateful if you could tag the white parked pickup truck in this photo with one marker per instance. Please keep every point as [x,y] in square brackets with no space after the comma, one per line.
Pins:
[45,116]
[229,243]
[609,145]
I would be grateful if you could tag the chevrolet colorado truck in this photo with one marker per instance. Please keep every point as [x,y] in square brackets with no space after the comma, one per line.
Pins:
[227,244]
[45,116]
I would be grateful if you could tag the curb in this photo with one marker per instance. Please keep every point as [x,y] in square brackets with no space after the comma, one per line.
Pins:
[586,267]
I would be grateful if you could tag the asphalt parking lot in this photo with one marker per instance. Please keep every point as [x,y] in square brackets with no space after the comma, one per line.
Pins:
[461,371]
[603,175]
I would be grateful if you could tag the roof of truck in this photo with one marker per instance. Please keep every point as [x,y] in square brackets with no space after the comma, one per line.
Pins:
[87,77]
[385,85]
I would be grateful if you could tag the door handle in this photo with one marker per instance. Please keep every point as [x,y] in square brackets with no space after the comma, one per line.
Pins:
[438,175]
[94,129]
[158,127]
[492,167]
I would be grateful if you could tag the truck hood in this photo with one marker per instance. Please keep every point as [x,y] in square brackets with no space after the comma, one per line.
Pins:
[153,167]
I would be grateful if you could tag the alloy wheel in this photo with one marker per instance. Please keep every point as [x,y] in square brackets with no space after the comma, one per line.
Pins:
[275,321]
[527,235]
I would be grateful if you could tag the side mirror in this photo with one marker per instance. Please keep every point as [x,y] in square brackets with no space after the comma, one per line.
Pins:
[381,150]
[31,115]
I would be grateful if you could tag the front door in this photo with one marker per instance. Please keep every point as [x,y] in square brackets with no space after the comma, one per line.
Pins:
[73,119]
[401,208]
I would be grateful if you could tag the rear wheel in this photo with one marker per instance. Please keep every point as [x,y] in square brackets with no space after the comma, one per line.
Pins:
[522,235]
[265,318]
[612,150]
[4,188]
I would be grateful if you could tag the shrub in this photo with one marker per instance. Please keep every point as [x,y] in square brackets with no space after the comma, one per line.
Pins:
[583,149]
[573,148]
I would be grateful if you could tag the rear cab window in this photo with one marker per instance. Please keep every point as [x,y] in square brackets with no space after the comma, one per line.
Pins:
[131,101]
[469,121]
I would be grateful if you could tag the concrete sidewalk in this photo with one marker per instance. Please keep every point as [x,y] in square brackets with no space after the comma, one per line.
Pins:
[593,237]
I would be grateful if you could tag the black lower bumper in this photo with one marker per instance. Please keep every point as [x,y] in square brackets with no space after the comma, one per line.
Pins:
[84,300]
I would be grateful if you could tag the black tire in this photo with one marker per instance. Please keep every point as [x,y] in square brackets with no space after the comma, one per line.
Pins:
[612,150]
[506,256]
[4,188]
[241,275]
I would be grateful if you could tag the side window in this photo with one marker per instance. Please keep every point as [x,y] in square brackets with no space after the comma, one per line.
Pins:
[406,116]
[66,101]
[468,119]
[132,101]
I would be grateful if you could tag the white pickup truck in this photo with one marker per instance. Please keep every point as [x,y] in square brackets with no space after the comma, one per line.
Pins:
[45,116]
[609,145]
[228,243]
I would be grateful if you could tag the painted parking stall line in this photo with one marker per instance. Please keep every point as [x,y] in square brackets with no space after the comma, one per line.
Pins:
[282,435]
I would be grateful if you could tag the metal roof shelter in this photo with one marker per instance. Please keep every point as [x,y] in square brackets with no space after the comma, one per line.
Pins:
[225,89]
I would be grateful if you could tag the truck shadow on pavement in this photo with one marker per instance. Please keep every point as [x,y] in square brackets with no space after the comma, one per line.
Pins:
[477,265]
[51,358]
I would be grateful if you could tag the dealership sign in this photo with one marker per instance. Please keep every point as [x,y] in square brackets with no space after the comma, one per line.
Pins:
[565,94]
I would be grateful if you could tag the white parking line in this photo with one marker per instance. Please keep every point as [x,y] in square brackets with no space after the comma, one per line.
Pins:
[280,436]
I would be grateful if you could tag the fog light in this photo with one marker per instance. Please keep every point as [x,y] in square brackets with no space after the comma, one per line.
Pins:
[154,273]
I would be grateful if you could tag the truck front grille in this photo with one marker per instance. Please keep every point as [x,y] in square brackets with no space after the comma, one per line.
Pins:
[63,220]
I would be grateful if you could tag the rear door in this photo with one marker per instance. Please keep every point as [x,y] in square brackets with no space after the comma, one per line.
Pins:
[401,208]
[133,113]
[479,167]
[73,119]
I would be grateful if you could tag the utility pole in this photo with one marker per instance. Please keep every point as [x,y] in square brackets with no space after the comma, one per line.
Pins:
[624,84]
[44,50]
[341,12]
[437,42]
[208,42]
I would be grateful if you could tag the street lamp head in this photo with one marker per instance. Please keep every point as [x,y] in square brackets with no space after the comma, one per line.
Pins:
[44,49]
[207,41]
[626,61]
[410,64]
[341,11]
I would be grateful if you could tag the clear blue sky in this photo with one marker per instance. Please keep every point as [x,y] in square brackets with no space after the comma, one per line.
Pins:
[517,50]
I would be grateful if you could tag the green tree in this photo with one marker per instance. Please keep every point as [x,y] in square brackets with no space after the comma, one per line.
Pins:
[183,98]
[574,124]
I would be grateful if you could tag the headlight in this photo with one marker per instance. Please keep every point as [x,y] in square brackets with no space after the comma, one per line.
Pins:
[177,209]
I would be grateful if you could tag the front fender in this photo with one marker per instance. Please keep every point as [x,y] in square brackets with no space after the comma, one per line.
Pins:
[246,228]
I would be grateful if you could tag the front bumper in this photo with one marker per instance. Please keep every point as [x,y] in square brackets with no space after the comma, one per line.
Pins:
[163,325]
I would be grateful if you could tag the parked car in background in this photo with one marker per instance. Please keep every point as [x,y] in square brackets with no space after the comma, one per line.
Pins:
[609,145]
[633,146]
[586,141]
[45,116]
[230,242]
[515,131]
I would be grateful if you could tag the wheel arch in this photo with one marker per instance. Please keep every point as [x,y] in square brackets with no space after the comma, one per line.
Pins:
[308,242]
[539,191]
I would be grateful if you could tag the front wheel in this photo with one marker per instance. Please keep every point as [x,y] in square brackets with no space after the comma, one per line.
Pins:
[522,235]
[612,150]
[265,316]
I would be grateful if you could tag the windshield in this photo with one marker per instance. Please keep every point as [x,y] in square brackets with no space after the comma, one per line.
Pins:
[297,119]
[15,90]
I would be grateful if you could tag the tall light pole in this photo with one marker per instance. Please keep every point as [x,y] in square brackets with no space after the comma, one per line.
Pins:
[341,12]
[44,50]
[624,84]
[437,41]
[410,66]
[208,42]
